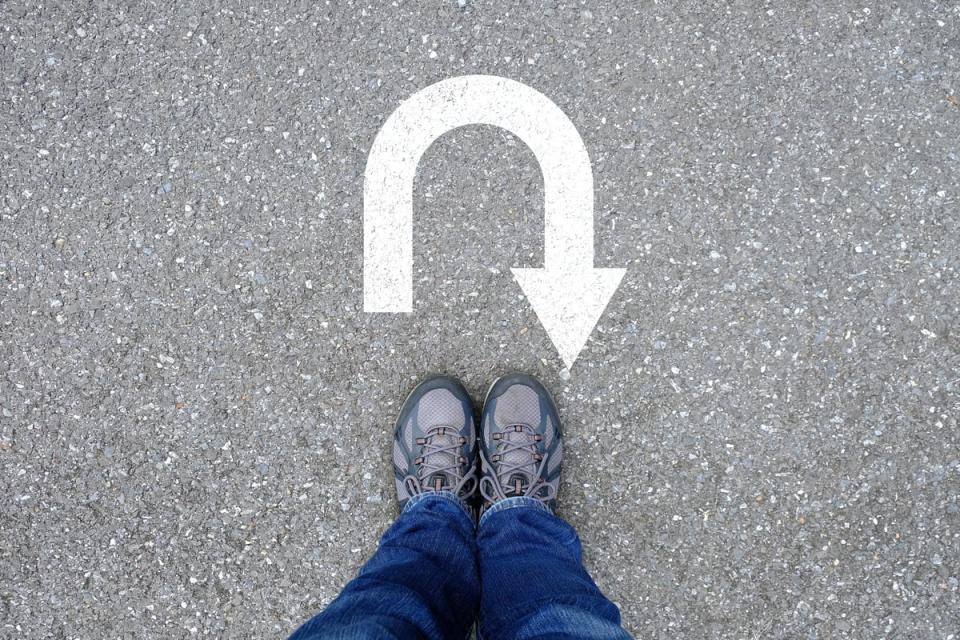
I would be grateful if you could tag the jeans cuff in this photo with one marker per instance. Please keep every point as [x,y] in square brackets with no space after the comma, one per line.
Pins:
[449,496]
[516,502]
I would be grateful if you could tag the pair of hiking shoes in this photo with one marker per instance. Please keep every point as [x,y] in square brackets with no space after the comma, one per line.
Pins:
[517,451]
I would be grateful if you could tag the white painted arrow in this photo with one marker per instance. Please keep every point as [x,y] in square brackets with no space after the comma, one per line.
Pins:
[568,294]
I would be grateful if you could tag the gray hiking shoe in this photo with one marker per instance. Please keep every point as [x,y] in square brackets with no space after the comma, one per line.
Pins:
[435,447]
[520,444]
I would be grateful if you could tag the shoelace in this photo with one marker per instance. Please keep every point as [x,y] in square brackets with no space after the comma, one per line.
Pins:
[515,467]
[440,458]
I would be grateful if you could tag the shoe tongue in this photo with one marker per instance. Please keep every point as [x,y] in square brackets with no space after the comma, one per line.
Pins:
[443,459]
[438,481]
[516,484]
[523,457]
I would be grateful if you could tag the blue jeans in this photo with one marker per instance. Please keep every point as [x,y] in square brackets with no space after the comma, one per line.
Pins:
[518,573]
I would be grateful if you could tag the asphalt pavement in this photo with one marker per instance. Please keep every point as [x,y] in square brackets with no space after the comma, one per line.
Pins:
[196,413]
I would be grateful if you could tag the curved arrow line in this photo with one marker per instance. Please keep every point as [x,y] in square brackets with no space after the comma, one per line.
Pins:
[568,293]
[427,115]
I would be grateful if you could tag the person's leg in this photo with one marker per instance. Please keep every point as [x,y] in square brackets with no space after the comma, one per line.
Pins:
[423,580]
[533,584]
[421,583]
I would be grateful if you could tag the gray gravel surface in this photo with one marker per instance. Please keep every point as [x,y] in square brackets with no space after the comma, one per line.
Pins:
[195,412]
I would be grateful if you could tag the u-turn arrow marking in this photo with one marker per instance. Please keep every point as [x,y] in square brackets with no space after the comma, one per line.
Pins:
[568,293]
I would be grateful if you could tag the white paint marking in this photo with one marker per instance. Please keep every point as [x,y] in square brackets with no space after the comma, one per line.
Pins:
[568,293]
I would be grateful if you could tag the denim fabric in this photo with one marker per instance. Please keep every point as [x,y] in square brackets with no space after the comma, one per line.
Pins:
[426,579]
[533,584]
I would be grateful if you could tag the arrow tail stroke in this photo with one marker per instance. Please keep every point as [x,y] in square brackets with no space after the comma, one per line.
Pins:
[568,201]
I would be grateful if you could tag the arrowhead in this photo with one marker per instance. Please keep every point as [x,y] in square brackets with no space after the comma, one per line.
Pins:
[569,303]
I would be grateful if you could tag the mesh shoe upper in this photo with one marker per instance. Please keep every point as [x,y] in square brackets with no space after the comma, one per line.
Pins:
[434,448]
[520,444]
